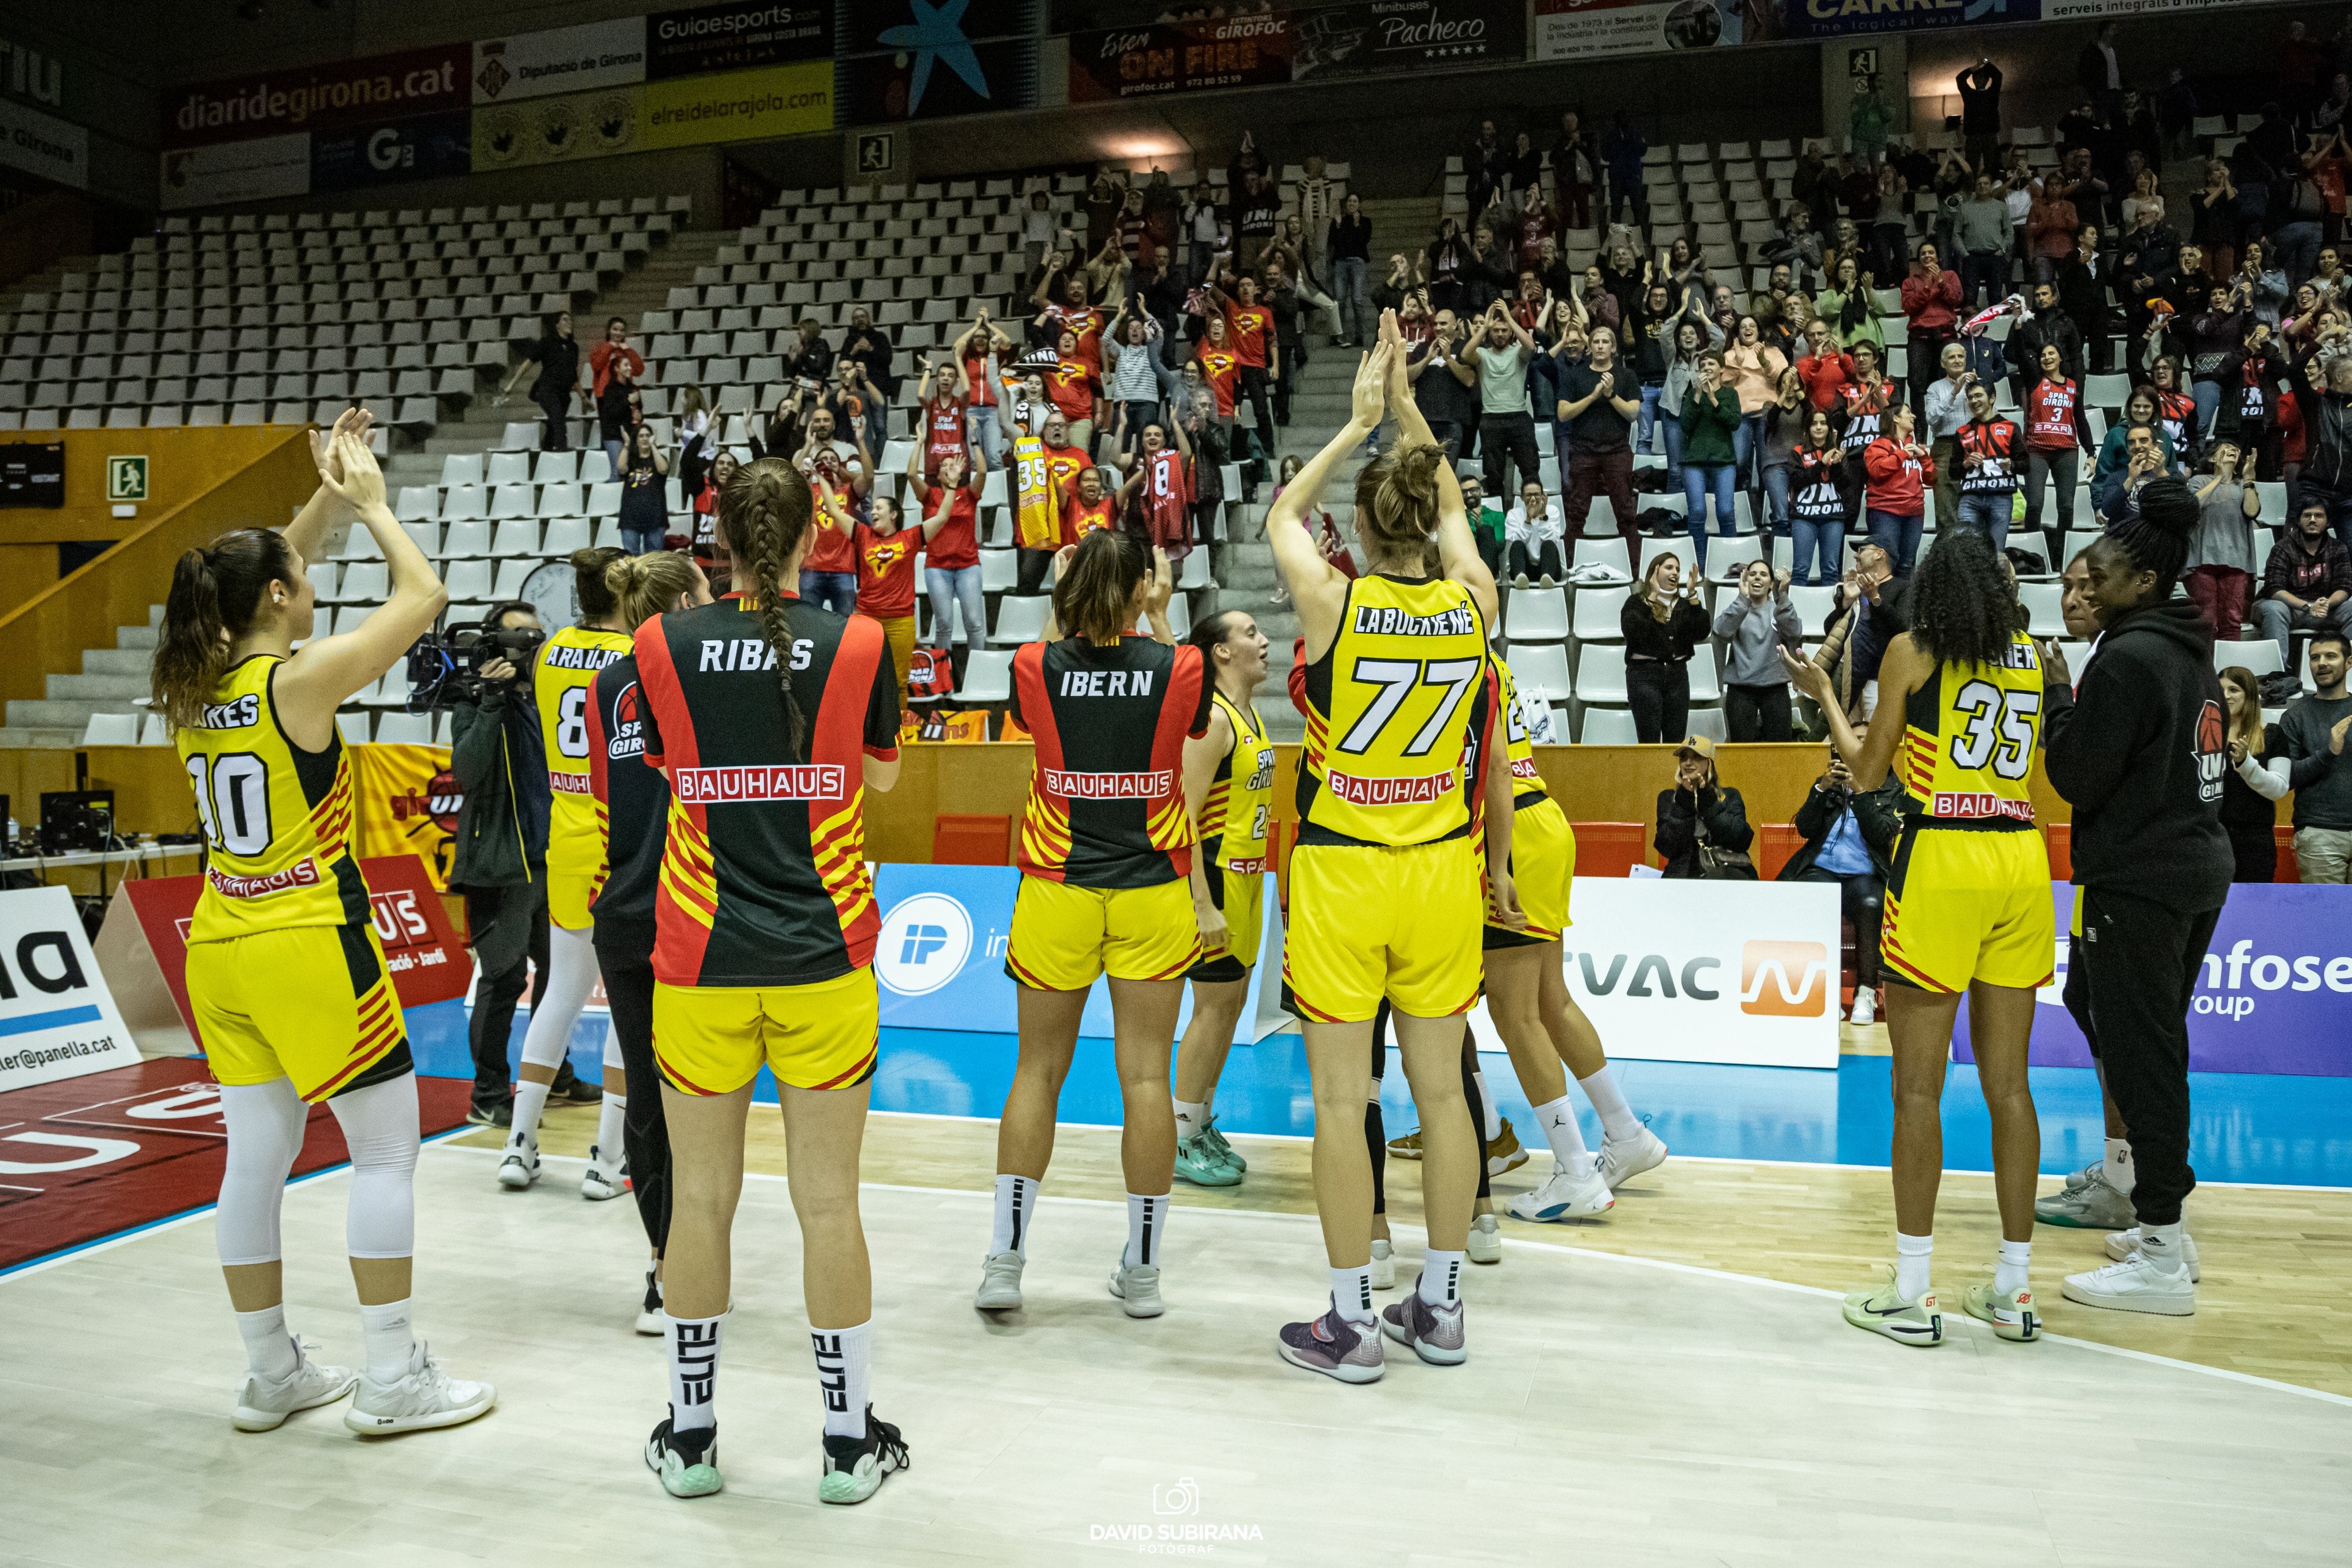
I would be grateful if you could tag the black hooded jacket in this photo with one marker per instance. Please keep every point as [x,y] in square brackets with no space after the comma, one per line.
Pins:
[2140,755]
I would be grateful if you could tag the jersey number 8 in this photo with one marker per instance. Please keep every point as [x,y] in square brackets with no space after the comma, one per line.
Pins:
[234,800]
[1997,719]
[572,722]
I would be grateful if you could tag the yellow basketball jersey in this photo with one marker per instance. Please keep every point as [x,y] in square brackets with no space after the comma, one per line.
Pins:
[277,819]
[1519,741]
[1234,817]
[1037,521]
[568,663]
[1391,708]
[1968,738]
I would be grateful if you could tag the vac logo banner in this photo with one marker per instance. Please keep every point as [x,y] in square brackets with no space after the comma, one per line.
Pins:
[56,1018]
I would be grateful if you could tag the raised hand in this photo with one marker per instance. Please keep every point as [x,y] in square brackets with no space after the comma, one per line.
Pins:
[1809,677]
[356,481]
[1369,397]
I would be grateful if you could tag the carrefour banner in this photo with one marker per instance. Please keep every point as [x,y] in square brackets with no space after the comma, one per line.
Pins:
[1840,18]
[940,961]
[2273,995]
[407,802]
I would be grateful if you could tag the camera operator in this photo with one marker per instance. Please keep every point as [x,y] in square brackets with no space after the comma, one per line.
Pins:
[499,858]
[1849,837]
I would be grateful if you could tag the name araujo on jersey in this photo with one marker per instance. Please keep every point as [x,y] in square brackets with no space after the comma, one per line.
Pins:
[566,657]
[1387,621]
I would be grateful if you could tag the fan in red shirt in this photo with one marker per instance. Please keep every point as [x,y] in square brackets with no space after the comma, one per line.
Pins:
[1091,505]
[1164,474]
[1072,387]
[1220,366]
[1073,315]
[1249,330]
[1826,368]
[2057,436]
[946,397]
[1899,469]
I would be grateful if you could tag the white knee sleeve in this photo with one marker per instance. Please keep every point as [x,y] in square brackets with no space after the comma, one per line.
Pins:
[265,1122]
[379,1126]
[562,991]
[613,1058]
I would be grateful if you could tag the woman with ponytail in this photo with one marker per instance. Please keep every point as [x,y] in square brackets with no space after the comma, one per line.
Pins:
[1111,883]
[286,978]
[769,718]
[632,804]
[2141,751]
[1401,767]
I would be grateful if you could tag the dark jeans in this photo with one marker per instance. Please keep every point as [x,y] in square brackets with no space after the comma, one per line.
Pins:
[1611,472]
[1660,694]
[1862,898]
[1031,566]
[625,953]
[1138,414]
[1921,371]
[1543,560]
[508,928]
[1623,195]
[2143,956]
[1757,712]
[834,590]
[1507,439]
[558,434]
[1490,551]
[1250,382]
[1987,267]
[1290,357]
[1447,434]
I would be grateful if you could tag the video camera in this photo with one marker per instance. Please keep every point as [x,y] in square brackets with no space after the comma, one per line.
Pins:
[445,668]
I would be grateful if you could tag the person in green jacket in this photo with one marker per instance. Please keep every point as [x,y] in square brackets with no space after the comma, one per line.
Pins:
[1847,307]
[1868,123]
[1710,414]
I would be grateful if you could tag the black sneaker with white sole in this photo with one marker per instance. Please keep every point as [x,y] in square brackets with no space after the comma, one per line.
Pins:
[855,1468]
[686,1462]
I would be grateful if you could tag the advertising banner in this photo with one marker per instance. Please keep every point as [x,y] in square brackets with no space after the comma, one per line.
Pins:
[236,172]
[1741,972]
[348,92]
[743,106]
[422,149]
[734,37]
[1839,18]
[56,1018]
[1180,57]
[559,60]
[559,130]
[407,802]
[1375,37]
[2274,996]
[44,145]
[922,84]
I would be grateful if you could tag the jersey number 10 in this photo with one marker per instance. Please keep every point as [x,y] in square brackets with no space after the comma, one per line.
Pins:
[233,798]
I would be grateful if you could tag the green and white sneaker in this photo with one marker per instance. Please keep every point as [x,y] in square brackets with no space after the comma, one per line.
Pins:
[1883,1312]
[1198,1162]
[686,1462]
[855,1468]
[2013,1315]
[1225,1150]
[2087,1203]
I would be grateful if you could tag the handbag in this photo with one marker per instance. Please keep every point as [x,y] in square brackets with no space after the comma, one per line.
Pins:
[1718,864]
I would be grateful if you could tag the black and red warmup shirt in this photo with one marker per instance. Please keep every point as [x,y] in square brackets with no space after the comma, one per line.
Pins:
[764,878]
[631,799]
[1107,791]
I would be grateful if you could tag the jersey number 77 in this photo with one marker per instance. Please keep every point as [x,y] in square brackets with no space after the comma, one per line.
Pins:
[1397,678]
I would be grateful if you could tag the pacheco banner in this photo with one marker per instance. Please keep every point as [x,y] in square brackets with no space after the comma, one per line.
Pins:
[1373,38]
[408,805]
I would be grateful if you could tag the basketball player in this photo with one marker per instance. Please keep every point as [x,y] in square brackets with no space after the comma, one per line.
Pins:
[2140,756]
[568,663]
[769,718]
[1967,913]
[633,803]
[1526,996]
[1110,884]
[1229,789]
[1384,889]
[286,977]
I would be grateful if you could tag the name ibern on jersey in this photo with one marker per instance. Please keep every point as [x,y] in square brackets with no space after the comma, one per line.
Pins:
[1107,683]
[1388,621]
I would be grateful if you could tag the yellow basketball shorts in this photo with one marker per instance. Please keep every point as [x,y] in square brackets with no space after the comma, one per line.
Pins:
[1241,896]
[1543,868]
[711,1039]
[1064,936]
[1369,921]
[309,1003]
[568,894]
[1964,905]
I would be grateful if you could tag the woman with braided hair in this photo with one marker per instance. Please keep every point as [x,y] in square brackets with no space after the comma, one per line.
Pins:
[771,718]
[2140,748]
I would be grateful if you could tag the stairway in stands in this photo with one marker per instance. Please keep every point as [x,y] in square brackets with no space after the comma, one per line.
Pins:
[111,679]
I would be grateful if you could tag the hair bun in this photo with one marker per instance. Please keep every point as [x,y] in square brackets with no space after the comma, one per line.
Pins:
[2168,505]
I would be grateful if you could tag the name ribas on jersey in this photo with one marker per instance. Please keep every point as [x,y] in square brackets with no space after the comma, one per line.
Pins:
[569,656]
[1388,621]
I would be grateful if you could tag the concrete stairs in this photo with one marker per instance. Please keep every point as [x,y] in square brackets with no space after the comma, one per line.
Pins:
[110,682]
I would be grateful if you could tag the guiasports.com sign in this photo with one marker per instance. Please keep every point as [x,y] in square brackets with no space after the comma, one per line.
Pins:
[1741,972]
[56,1018]
[2273,995]
[738,37]
[423,149]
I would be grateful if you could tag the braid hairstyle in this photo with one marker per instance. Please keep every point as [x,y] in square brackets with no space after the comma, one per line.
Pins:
[215,599]
[588,585]
[764,511]
[1396,502]
[2156,540]
[643,586]
[1963,610]
[1092,598]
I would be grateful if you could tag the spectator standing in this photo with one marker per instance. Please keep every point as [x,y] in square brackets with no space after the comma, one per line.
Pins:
[2306,583]
[2221,571]
[1700,810]
[1622,149]
[615,418]
[981,351]
[2051,227]
[644,507]
[1600,399]
[556,388]
[1257,213]
[1507,429]
[1249,333]
[1981,229]
[869,347]
[1575,170]
[1816,503]
[2047,327]
[1207,230]
[1282,304]
[1784,425]
[2056,436]
[2098,73]
[1945,402]
[1445,383]
[1980,88]
[1710,429]
[1989,452]
[1897,469]
[614,350]
[1349,242]
[1485,163]
[1850,837]
[1315,204]
[1931,303]
[1131,377]
[2313,728]
[1847,307]
[2251,790]
[1663,623]
[1754,624]
[1752,369]
[1533,530]
[1867,122]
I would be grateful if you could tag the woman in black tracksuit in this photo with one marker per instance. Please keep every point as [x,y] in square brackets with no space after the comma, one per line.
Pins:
[633,806]
[2140,754]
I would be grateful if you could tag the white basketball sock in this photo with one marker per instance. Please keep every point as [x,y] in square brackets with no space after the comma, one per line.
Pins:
[2010,1274]
[693,1371]
[2162,1246]
[1191,1118]
[1558,1119]
[615,1107]
[1146,1225]
[1441,1277]
[2118,1166]
[268,1348]
[1609,1103]
[1494,1128]
[1912,1256]
[1351,1293]
[844,1376]
[385,1330]
[530,1100]
[1016,1204]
